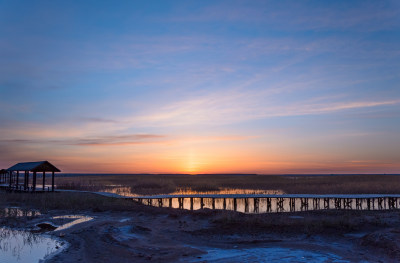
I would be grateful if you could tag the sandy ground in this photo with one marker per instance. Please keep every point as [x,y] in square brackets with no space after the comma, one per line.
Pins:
[183,236]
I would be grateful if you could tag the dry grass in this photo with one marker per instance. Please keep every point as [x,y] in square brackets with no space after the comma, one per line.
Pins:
[164,184]
[69,201]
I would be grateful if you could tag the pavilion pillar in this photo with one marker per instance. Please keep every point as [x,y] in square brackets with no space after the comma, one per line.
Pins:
[44,179]
[17,181]
[34,182]
[9,179]
[25,180]
[52,181]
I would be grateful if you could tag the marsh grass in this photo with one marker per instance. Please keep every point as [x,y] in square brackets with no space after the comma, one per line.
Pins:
[69,201]
[164,184]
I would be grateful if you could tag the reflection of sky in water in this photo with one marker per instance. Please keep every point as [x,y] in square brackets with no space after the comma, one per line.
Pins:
[24,246]
[17,212]
[126,191]
[270,254]
[77,220]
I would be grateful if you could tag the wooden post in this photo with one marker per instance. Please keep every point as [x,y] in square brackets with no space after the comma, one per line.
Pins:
[234,204]
[201,203]
[246,205]
[269,205]
[52,181]
[213,203]
[44,179]
[224,203]
[170,202]
[191,203]
[256,202]
[9,177]
[34,182]
[292,204]
[25,181]
[17,180]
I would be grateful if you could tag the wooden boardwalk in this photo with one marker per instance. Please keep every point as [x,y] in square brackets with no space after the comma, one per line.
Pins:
[258,203]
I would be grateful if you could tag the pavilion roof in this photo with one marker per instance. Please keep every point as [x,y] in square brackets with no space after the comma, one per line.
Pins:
[42,166]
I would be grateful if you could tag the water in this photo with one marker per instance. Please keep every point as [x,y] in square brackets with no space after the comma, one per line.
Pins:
[126,191]
[18,212]
[23,246]
[77,219]
[269,254]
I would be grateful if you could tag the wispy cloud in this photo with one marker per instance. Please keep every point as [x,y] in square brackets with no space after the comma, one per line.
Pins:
[238,106]
[110,140]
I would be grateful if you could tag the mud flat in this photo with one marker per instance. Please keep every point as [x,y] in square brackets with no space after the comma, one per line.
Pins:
[138,233]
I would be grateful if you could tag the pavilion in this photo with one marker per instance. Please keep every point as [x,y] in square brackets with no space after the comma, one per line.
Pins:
[3,175]
[27,168]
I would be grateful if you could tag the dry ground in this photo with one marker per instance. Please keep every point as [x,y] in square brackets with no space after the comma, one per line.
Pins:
[124,231]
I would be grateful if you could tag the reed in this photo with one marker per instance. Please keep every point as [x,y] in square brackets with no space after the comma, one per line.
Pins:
[164,184]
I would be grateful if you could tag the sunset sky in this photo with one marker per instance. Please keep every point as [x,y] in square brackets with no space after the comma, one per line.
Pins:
[201,86]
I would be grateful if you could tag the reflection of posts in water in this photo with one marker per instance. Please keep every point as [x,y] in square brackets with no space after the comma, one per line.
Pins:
[380,201]
[180,201]
[279,205]
[234,204]
[392,202]
[315,203]
[326,203]
[338,203]
[191,203]
[246,205]
[292,204]
[269,205]
[358,204]
[304,204]
[347,203]
[256,205]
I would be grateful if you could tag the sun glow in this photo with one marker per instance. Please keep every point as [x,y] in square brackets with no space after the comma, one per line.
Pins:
[192,164]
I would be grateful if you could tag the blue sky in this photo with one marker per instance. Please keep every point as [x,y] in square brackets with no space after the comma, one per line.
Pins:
[201,86]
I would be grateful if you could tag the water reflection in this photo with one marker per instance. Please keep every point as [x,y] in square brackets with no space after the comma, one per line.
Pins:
[77,219]
[267,254]
[273,204]
[18,212]
[24,246]
[126,191]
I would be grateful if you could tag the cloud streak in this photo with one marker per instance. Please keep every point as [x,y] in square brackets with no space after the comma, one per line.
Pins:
[110,140]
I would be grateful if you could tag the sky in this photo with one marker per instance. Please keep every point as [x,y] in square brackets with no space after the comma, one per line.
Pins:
[266,87]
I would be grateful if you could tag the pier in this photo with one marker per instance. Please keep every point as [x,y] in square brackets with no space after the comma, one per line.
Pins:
[273,203]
